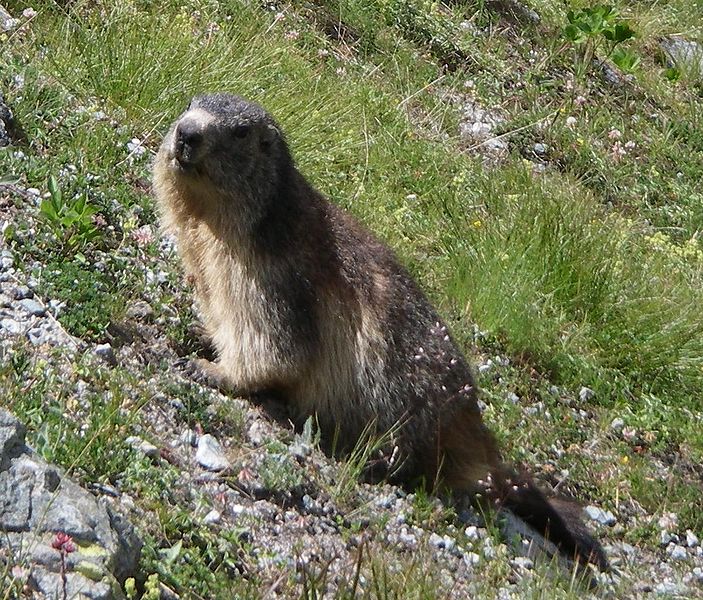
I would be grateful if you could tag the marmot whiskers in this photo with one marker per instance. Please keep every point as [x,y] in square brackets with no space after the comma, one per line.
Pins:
[299,299]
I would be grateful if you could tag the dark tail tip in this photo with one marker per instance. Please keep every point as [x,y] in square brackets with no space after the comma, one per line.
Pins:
[557,519]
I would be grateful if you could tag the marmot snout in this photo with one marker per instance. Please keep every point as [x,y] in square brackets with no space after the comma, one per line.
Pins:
[299,299]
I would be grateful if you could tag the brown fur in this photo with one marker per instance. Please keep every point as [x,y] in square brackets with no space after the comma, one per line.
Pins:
[300,300]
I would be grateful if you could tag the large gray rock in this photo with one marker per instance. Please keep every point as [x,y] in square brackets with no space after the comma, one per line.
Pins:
[37,501]
[683,53]
[7,23]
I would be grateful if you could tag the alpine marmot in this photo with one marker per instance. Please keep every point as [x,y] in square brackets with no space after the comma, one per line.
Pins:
[300,300]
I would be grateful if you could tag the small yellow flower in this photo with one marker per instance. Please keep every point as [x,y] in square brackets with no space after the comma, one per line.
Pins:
[624,460]
[476,224]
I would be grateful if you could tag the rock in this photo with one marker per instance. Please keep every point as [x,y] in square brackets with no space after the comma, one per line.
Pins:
[488,550]
[299,448]
[668,521]
[407,539]
[140,445]
[140,310]
[471,532]
[484,368]
[33,307]
[697,574]
[188,437]
[677,552]
[386,501]
[6,260]
[105,352]
[210,455]
[516,11]
[256,433]
[471,559]
[604,517]
[617,424]
[540,149]
[522,563]
[442,542]
[7,23]
[38,503]
[586,394]
[669,588]
[681,52]
[21,292]
[212,518]
[691,539]
[665,538]
[11,326]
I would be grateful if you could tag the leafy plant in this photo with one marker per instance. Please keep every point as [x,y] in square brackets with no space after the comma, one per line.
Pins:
[71,221]
[589,29]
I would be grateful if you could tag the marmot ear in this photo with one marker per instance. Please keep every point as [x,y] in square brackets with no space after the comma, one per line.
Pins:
[271,133]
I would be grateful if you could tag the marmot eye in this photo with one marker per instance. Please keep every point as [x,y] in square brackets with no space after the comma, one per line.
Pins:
[240,131]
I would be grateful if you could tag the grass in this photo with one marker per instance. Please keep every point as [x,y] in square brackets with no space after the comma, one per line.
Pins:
[582,264]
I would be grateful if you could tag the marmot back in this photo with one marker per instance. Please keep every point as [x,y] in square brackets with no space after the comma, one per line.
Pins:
[300,300]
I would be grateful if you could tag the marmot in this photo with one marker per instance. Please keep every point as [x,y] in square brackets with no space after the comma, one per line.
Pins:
[299,299]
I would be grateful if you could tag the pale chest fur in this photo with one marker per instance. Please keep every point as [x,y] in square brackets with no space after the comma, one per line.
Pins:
[238,313]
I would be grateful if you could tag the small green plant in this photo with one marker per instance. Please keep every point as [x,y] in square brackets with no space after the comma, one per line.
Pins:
[151,588]
[71,221]
[591,29]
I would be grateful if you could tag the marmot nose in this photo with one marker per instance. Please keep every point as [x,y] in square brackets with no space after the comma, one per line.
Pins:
[189,138]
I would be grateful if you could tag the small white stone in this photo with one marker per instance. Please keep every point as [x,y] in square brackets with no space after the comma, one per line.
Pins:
[141,445]
[522,562]
[213,517]
[604,517]
[472,559]
[210,455]
[471,532]
[105,352]
[586,394]
[256,433]
[691,539]
[669,521]
[617,424]
[677,552]
[665,538]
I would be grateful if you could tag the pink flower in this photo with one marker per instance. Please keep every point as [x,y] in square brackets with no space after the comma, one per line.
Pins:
[63,542]
[143,235]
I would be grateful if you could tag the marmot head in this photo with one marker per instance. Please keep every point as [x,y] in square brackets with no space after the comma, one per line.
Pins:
[230,146]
